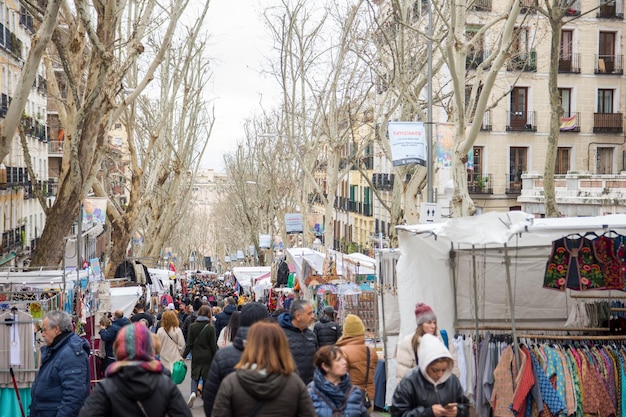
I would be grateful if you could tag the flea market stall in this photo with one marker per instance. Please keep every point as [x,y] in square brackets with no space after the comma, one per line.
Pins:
[515,275]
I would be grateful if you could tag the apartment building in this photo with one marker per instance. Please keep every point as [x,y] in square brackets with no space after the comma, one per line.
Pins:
[21,216]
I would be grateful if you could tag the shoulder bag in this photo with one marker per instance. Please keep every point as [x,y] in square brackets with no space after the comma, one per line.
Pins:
[366,398]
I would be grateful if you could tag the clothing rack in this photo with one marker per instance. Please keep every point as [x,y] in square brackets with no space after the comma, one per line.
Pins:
[531,328]
[569,337]
[603,297]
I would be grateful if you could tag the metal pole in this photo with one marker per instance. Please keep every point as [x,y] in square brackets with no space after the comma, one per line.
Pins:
[429,122]
[507,263]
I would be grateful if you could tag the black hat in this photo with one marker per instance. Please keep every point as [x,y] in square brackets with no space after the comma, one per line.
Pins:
[251,313]
[328,310]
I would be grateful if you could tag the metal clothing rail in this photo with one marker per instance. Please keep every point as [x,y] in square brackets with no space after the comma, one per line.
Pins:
[569,337]
[531,328]
[601,297]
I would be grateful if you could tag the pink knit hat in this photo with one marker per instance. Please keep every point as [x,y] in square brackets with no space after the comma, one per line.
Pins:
[423,313]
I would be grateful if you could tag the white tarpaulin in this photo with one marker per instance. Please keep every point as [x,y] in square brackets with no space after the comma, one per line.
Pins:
[246,275]
[479,279]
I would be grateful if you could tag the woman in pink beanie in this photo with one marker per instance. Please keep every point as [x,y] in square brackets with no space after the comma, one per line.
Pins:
[426,322]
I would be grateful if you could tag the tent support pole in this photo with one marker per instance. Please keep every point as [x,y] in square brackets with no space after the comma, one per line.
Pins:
[453,269]
[475,291]
[507,263]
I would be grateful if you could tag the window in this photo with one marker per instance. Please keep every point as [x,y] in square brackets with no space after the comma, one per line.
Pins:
[606,52]
[566,101]
[562,160]
[476,163]
[520,43]
[118,125]
[604,160]
[519,108]
[566,52]
[605,101]
[517,166]
[476,54]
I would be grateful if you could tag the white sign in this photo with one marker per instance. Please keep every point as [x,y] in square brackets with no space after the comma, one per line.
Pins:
[408,143]
[265,241]
[293,223]
[430,213]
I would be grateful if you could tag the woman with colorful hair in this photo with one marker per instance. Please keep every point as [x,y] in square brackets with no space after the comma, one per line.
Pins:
[135,384]
[264,382]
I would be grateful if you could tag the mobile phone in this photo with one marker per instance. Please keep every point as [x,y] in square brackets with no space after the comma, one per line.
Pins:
[450,405]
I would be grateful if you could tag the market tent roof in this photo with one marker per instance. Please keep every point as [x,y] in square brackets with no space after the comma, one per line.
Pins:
[125,298]
[347,263]
[247,274]
[425,273]
[42,278]
[301,256]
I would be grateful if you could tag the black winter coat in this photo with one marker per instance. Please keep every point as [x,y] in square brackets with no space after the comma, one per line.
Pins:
[223,364]
[109,334]
[327,331]
[117,396]
[303,345]
[222,319]
[414,396]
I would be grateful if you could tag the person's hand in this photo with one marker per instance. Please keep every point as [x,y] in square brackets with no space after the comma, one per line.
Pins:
[441,411]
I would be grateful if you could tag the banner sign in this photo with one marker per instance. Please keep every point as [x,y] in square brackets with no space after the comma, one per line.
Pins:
[293,223]
[265,241]
[95,210]
[408,143]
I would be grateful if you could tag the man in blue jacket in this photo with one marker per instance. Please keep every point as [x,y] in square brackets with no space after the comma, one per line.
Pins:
[108,335]
[62,384]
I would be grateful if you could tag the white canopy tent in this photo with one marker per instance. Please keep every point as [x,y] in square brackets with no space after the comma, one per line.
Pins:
[246,275]
[459,268]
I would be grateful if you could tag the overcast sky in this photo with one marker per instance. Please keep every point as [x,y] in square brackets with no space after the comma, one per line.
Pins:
[238,43]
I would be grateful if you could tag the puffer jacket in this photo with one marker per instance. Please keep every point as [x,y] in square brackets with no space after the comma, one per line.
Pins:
[223,364]
[118,394]
[281,395]
[417,392]
[62,383]
[327,331]
[303,345]
[356,353]
[108,335]
[405,358]
[323,392]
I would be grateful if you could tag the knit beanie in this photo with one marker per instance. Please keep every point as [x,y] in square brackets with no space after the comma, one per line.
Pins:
[134,343]
[251,313]
[353,326]
[134,347]
[423,313]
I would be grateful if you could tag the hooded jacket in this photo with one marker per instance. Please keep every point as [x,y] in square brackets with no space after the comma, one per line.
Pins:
[323,392]
[355,350]
[405,359]
[62,383]
[303,345]
[118,395]
[327,331]
[281,395]
[223,364]
[417,392]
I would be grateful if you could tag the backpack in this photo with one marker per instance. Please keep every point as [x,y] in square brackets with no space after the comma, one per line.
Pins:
[337,412]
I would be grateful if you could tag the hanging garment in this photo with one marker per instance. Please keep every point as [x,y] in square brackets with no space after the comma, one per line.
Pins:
[573,264]
[26,338]
[282,277]
[611,265]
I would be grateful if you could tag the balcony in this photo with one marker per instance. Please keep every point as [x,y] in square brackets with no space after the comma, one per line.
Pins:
[479,184]
[12,240]
[574,9]
[609,64]
[513,184]
[569,64]
[523,62]
[482,5]
[528,6]
[383,181]
[610,10]
[55,148]
[608,123]
[570,122]
[522,121]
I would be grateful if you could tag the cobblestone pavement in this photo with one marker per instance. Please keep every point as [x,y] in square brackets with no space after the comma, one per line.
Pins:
[198,411]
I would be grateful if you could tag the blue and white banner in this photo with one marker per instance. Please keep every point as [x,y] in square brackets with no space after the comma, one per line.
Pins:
[408,143]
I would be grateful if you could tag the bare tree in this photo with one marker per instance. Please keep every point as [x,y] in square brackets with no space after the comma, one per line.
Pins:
[87,45]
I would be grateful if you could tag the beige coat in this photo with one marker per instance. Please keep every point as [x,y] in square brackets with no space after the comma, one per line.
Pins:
[171,350]
[405,358]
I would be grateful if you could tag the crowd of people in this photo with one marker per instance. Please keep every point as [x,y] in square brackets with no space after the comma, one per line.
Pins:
[243,361]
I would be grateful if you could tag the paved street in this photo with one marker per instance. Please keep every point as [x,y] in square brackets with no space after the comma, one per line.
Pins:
[198,411]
